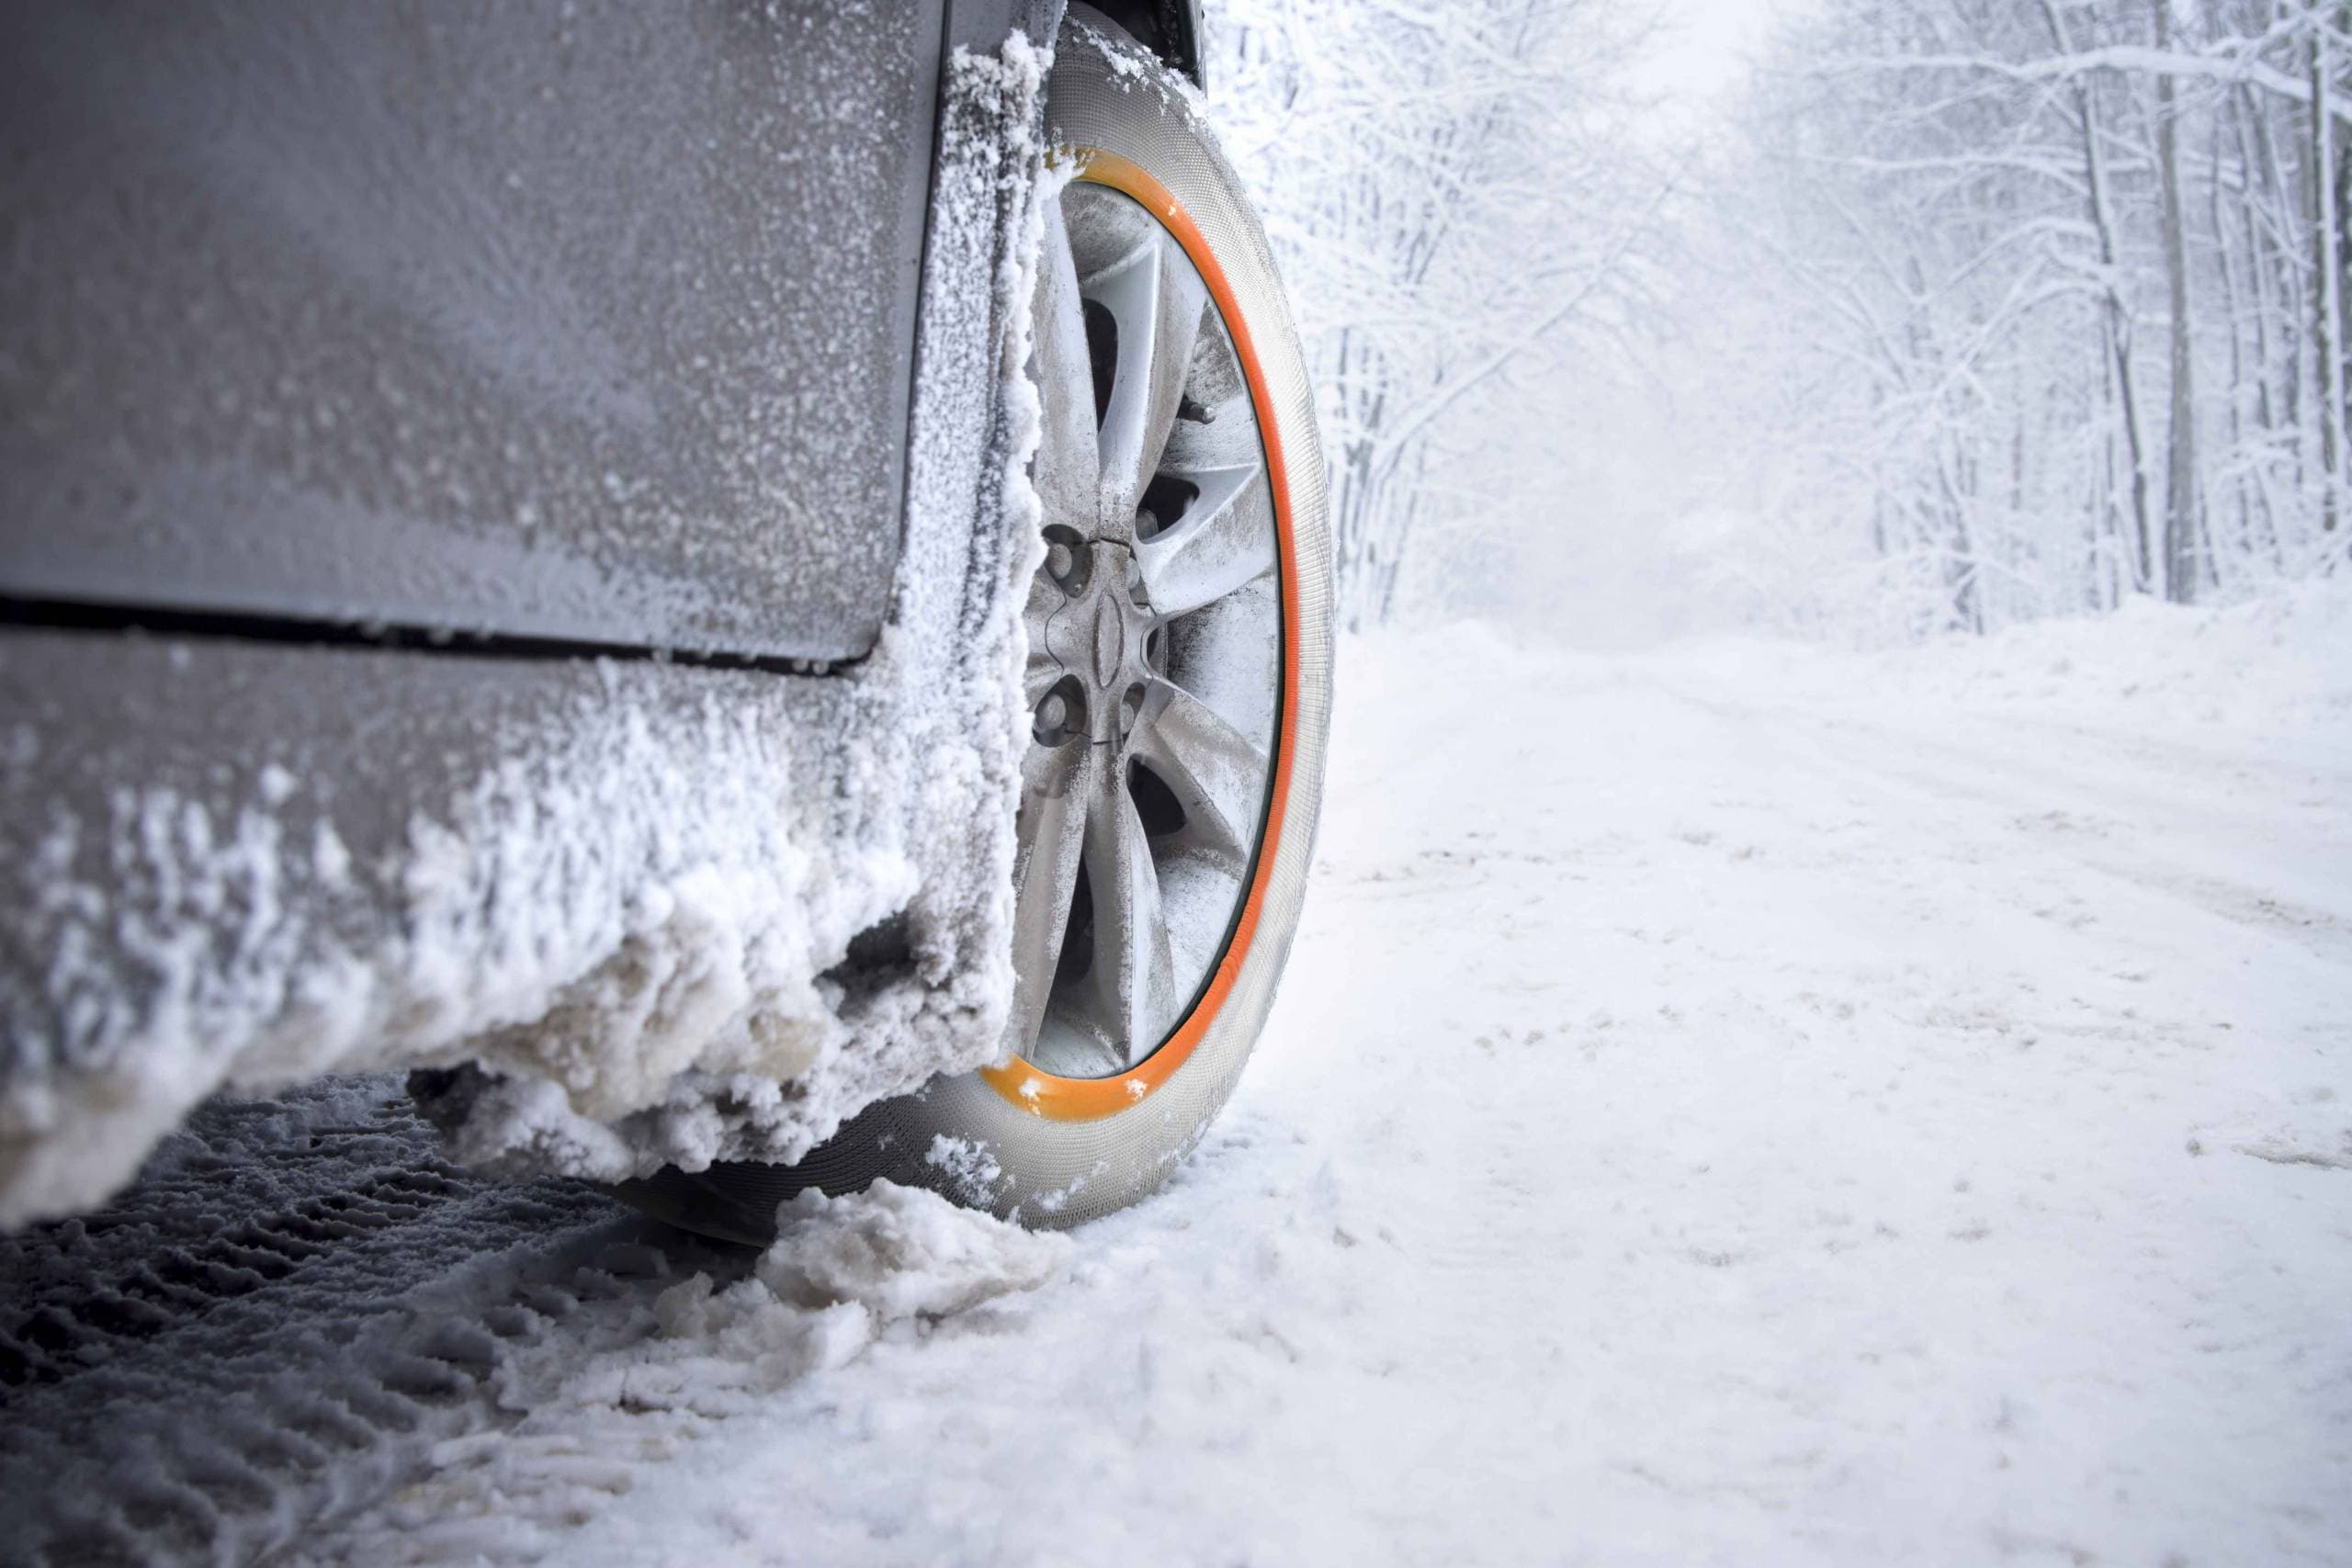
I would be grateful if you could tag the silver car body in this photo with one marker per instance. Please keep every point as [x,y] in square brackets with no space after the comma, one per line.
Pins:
[509,546]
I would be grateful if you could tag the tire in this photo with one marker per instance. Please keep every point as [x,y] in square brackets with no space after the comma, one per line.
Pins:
[1140,994]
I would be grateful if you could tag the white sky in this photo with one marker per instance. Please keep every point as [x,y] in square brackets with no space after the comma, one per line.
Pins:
[1707,45]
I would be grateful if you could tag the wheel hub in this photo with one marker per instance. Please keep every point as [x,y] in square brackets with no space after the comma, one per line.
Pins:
[1099,642]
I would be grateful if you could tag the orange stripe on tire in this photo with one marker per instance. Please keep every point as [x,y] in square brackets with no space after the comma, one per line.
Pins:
[1027,1085]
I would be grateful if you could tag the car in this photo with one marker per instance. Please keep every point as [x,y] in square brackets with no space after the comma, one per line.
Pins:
[740,591]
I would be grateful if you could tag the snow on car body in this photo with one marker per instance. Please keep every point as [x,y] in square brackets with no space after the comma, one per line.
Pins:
[515,548]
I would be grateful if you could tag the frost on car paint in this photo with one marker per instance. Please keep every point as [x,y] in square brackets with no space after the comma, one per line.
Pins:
[630,943]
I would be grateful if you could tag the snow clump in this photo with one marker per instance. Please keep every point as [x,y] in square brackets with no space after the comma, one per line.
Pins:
[841,1272]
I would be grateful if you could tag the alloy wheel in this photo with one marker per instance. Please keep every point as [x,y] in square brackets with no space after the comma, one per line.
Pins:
[1155,644]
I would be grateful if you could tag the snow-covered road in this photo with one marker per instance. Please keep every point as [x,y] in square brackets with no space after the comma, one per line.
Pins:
[1735,1105]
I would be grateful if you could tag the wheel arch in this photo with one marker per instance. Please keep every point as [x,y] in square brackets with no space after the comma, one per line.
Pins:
[1170,29]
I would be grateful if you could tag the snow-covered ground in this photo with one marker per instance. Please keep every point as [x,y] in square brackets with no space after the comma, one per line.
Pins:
[1742,1103]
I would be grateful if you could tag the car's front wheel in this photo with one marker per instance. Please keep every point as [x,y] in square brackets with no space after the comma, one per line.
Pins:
[1178,683]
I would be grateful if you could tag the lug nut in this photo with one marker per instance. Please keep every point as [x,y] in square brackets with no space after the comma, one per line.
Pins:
[1060,715]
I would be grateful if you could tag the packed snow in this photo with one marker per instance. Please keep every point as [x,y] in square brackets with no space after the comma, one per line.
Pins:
[1762,1104]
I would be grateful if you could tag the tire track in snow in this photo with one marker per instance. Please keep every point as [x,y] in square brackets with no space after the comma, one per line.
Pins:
[297,1303]
[2071,812]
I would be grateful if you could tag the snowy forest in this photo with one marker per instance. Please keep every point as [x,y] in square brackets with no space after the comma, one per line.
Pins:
[1960,314]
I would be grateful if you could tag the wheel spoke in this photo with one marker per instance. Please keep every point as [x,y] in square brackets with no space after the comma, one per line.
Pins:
[1155,299]
[1130,988]
[1050,847]
[1067,466]
[1225,539]
[1219,774]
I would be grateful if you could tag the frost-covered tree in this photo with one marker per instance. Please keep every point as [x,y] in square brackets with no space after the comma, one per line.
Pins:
[2069,276]
[1455,200]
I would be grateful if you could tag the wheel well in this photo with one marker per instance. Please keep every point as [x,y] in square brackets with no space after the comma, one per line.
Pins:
[1170,29]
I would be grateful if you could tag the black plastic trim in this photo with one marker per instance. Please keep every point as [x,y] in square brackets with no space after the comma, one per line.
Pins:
[157,620]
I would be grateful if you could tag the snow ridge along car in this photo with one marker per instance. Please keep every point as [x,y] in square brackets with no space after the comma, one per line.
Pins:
[742,590]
